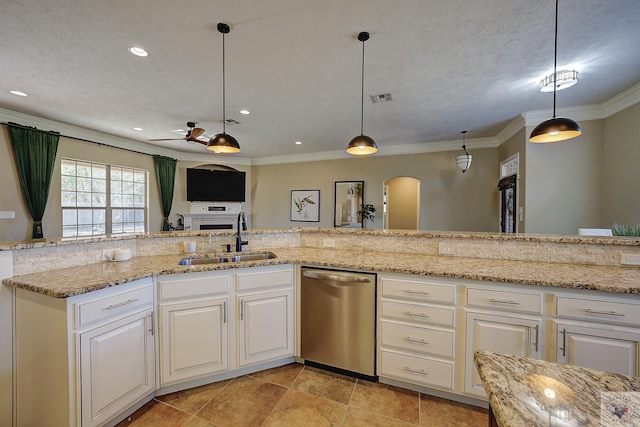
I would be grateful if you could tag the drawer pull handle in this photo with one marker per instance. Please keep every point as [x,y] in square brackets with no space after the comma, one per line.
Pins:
[415,371]
[608,313]
[423,315]
[564,343]
[504,301]
[120,304]
[411,291]
[417,341]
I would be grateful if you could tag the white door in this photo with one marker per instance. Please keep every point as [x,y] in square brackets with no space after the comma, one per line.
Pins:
[611,351]
[116,367]
[266,326]
[503,334]
[194,339]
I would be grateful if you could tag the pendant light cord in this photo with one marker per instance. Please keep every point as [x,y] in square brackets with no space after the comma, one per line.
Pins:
[362,95]
[224,102]
[555,62]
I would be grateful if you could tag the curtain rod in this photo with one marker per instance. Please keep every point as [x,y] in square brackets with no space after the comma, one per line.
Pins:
[93,142]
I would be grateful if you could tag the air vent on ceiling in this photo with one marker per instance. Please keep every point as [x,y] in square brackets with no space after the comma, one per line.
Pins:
[383,97]
[232,122]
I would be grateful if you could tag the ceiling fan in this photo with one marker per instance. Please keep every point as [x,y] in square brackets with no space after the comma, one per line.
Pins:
[192,135]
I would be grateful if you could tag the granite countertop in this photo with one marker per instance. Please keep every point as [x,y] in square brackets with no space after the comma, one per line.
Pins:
[67,282]
[530,392]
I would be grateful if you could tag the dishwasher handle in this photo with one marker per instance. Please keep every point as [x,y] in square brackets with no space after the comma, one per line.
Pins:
[314,274]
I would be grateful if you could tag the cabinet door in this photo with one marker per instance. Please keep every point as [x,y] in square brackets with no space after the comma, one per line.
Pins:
[116,367]
[504,334]
[265,330]
[194,339]
[605,350]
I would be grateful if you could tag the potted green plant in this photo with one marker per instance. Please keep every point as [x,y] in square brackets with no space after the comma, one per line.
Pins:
[367,212]
[625,229]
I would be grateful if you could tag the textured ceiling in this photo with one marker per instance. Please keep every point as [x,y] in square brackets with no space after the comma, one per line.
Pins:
[295,64]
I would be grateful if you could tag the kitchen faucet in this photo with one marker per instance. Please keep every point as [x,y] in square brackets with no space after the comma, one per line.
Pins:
[242,220]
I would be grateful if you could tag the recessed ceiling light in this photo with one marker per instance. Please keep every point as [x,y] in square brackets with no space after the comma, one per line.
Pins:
[138,51]
[138,129]
[298,142]
[245,112]
[17,92]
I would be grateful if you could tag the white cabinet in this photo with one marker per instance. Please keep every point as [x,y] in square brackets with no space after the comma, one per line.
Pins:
[265,315]
[416,335]
[501,333]
[110,383]
[605,350]
[599,333]
[84,360]
[504,320]
[193,323]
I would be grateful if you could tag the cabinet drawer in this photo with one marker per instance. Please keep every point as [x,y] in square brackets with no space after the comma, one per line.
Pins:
[600,311]
[423,313]
[203,285]
[267,279]
[419,290]
[113,305]
[417,370]
[417,338]
[505,300]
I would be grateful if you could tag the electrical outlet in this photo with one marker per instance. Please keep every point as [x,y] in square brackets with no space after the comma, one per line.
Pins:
[630,259]
[329,243]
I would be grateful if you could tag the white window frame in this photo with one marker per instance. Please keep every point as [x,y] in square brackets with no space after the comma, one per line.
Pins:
[96,203]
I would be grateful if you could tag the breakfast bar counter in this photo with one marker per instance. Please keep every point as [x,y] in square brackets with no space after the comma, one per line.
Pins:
[529,392]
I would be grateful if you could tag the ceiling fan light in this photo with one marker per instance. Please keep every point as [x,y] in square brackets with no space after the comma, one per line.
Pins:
[362,145]
[554,130]
[223,143]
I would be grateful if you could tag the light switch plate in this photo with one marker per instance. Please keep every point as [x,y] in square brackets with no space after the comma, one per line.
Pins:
[7,214]
[630,259]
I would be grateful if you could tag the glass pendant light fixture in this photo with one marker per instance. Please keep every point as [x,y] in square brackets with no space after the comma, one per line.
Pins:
[362,144]
[463,161]
[557,128]
[223,142]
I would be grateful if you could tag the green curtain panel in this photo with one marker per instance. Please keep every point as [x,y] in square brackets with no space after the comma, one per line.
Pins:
[35,154]
[166,169]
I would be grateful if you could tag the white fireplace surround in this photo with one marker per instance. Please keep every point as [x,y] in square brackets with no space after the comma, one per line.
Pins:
[212,216]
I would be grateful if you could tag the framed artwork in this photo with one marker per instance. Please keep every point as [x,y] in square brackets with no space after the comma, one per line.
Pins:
[305,205]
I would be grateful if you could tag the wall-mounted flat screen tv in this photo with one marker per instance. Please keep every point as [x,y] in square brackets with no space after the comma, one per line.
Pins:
[205,185]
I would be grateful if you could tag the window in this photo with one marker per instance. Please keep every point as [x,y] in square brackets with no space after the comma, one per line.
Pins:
[99,199]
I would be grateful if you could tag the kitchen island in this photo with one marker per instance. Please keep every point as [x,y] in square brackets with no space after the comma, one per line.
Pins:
[529,392]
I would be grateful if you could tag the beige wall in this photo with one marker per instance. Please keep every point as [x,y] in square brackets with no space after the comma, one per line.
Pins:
[449,199]
[564,183]
[517,145]
[11,196]
[621,185]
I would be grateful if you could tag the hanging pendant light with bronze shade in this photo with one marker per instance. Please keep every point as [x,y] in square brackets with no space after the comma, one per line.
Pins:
[463,161]
[223,142]
[362,144]
[557,128]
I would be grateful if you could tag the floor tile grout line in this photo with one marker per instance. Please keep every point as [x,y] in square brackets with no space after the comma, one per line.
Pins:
[213,397]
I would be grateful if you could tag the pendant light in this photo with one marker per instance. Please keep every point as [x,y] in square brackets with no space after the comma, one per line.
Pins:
[557,128]
[463,161]
[362,145]
[223,142]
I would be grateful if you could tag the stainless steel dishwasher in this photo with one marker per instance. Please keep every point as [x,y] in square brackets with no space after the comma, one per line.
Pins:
[338,320]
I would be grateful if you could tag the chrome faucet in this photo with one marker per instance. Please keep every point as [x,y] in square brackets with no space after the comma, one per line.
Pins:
[242,222]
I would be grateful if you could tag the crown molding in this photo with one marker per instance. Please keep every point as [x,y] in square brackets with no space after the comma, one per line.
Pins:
[622,101]
[579,113]
[510,129]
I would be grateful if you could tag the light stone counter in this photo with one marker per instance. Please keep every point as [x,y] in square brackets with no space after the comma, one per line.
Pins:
[529,392]
[66,282]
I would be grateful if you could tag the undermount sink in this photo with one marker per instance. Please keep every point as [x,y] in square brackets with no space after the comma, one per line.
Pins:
[217,259]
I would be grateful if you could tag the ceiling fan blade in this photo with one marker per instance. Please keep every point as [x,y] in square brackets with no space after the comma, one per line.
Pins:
[199,141]
[196,132]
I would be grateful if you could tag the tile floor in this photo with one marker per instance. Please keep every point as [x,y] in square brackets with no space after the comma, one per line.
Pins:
[297,395]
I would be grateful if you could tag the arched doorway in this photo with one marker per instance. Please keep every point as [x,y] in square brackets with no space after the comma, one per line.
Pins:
[401,199]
